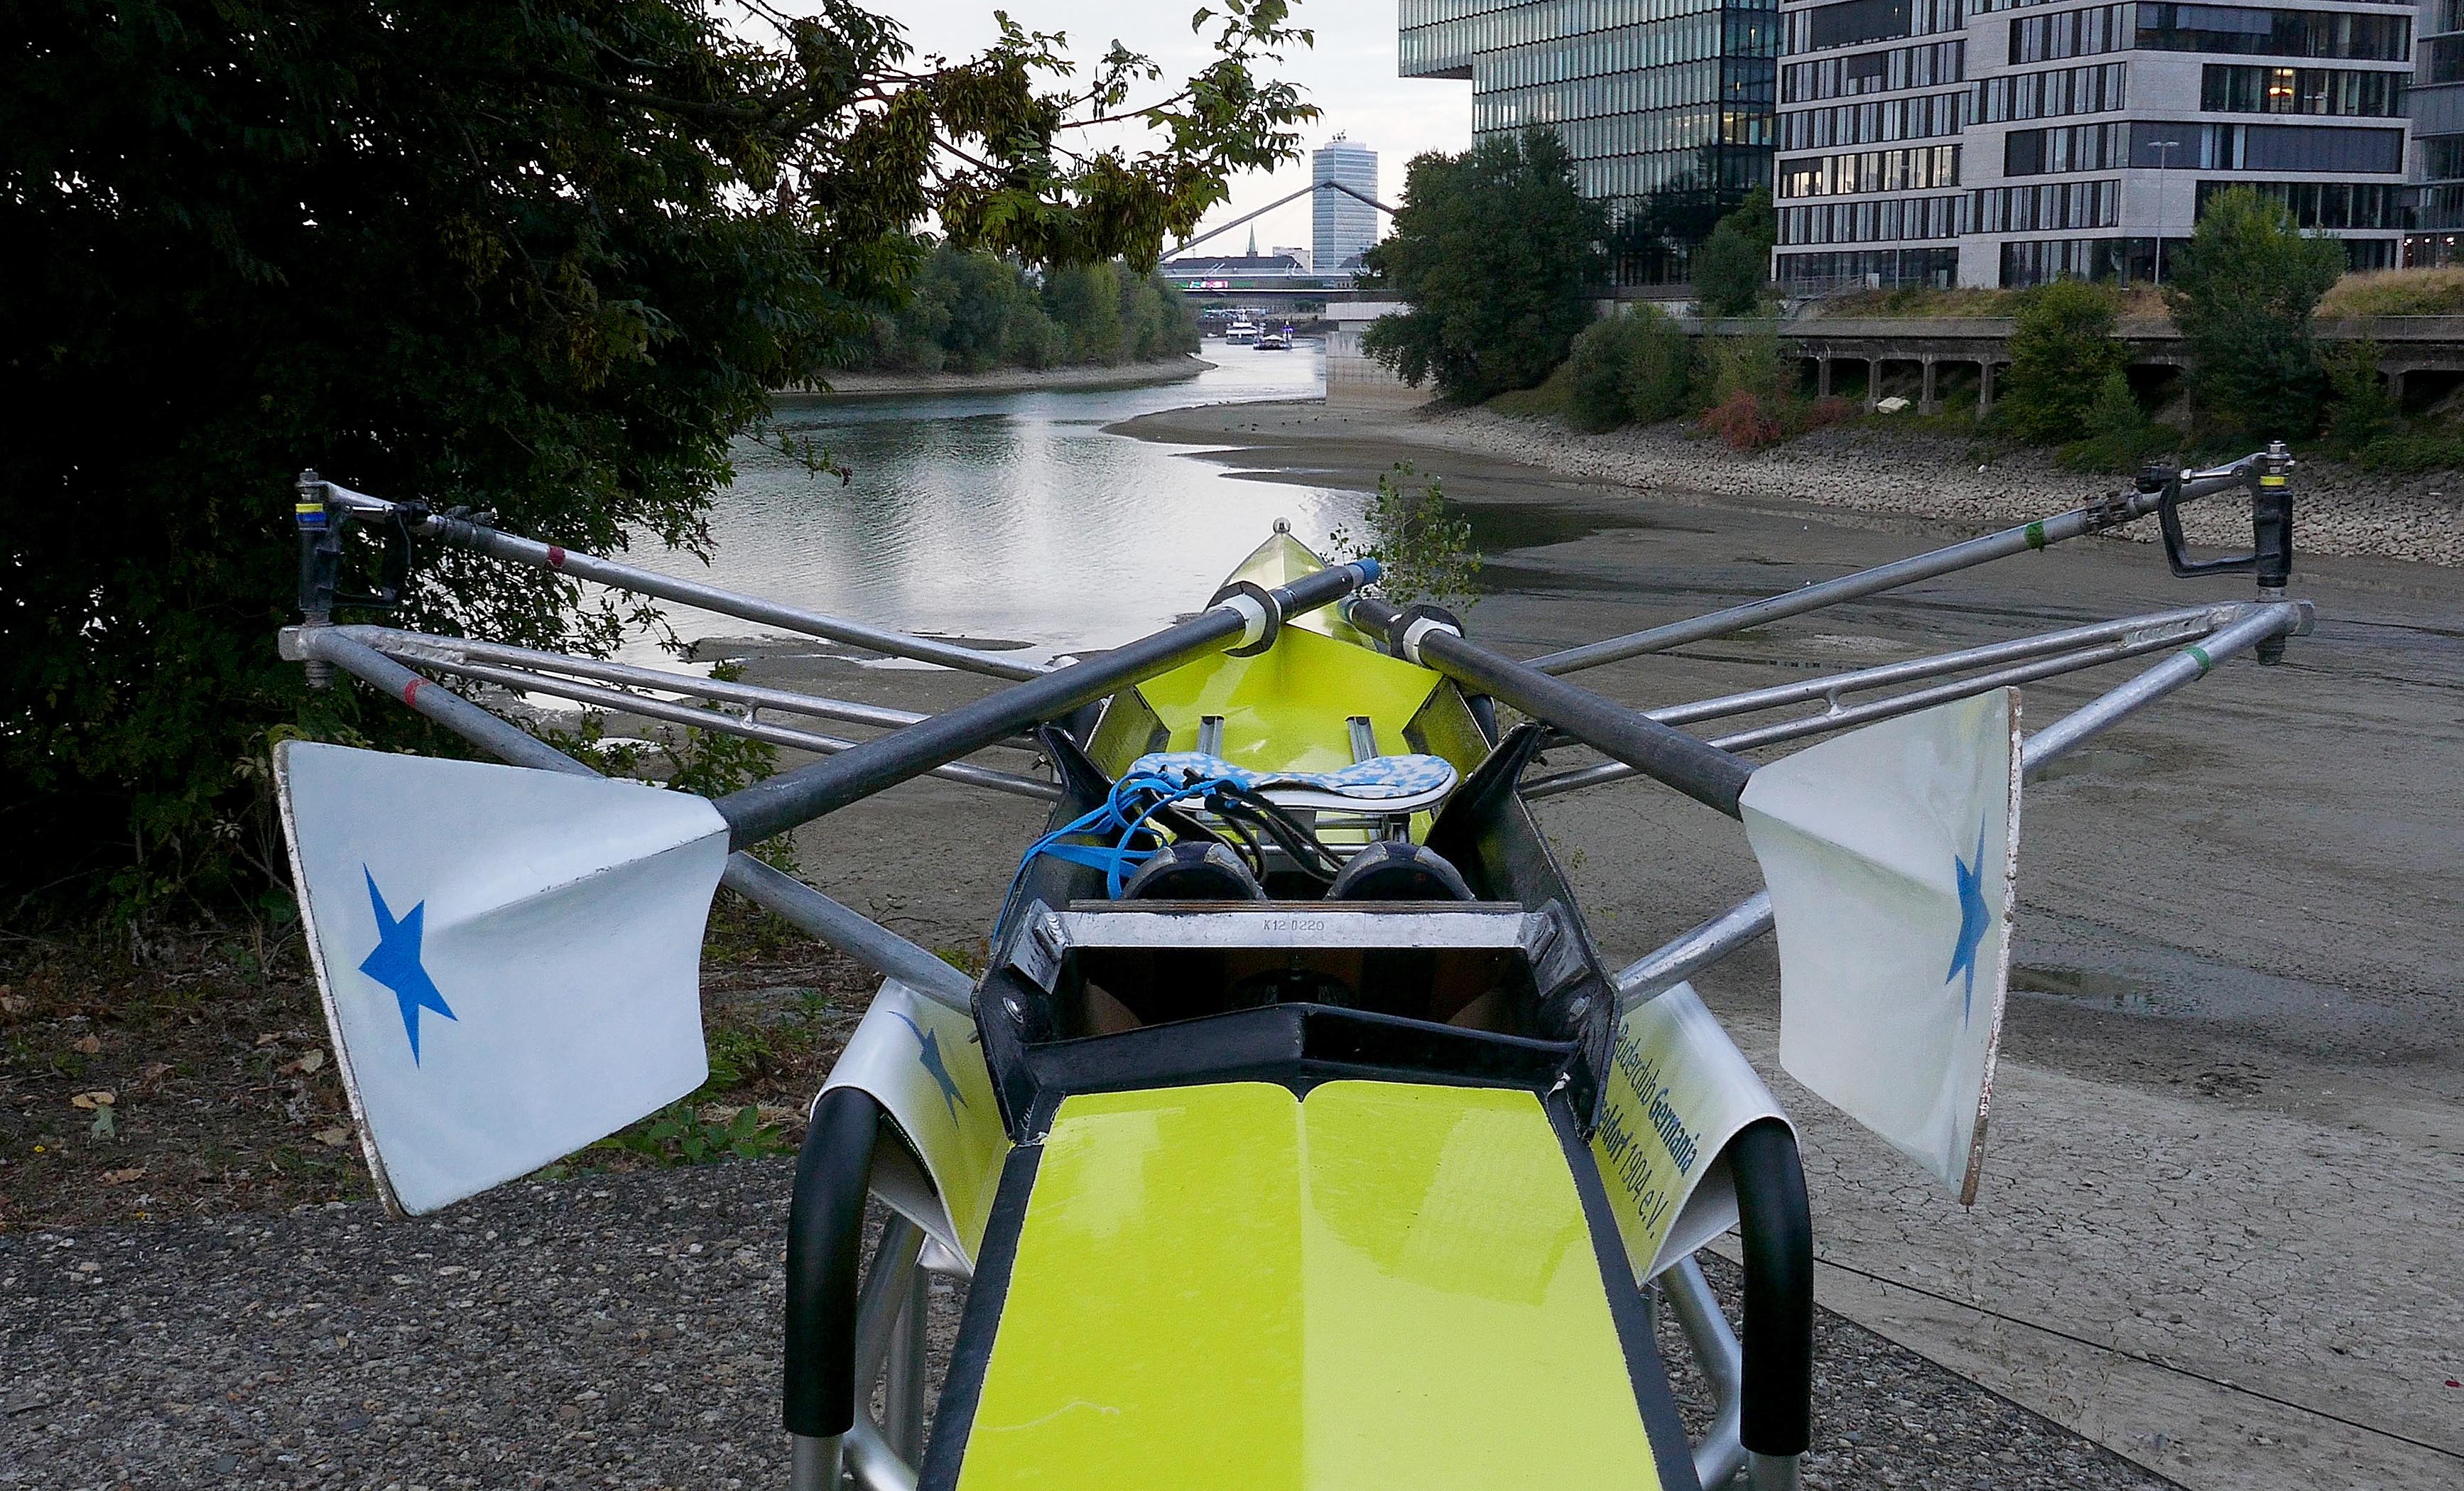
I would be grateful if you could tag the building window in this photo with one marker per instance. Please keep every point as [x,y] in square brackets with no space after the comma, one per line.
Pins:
[2071,148]
[2282,33]
[2095,89]
[2055,205]
[1874,222]
[1873,71]
[1872,170]
[2071,34]
[1922,118]
[2443,61]
[2267,147]
[2324,204]
[1855,22]
[2229,88]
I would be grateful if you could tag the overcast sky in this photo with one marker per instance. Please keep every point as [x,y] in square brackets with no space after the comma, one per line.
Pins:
[1349,75]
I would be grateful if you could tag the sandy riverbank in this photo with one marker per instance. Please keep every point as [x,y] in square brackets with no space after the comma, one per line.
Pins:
[999,380]
[1860,467]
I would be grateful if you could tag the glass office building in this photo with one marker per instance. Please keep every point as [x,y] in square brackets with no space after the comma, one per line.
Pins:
[2007,143]
[1665,105]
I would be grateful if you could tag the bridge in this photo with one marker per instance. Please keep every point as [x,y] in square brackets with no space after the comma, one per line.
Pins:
[2421,355]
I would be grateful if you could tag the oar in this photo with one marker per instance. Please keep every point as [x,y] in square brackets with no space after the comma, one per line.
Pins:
[1888,853]
[510,959]
[1248,616]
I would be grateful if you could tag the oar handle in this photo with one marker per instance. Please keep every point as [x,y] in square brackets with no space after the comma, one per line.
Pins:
[1248,617]
[1703,772]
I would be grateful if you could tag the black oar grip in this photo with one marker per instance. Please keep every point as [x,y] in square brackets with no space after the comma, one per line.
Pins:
[1701,771]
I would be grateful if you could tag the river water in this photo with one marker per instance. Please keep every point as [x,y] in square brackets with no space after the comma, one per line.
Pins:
[1008,515]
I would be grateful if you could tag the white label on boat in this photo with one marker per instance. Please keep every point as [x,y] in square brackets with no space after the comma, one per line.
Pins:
[1678,1092]
[1889,853]
[511,959]
[922,1060]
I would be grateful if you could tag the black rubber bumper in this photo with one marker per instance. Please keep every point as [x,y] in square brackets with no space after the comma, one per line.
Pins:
[825,1246]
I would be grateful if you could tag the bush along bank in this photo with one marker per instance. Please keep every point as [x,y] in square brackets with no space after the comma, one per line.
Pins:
[972,312]
[2245,294]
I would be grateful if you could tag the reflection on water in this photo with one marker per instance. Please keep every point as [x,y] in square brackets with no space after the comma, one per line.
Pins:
[1005,516]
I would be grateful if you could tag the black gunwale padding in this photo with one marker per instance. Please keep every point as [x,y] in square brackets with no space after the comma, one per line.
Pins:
[962,1389]
[1298,1046]
[825,1244]
[1454,835]
[1671,1452]
[1776,1232]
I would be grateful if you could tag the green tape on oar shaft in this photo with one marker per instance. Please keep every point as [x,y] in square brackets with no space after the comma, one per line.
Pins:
[2037,533]
[2200,655]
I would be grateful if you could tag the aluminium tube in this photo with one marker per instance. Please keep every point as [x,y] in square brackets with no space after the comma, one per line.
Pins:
[699,718]
[1701,946]
[425,647]
[592,567]
[1701,771]
[1874,710]
[1245,617]
[2122,508]
[774,891]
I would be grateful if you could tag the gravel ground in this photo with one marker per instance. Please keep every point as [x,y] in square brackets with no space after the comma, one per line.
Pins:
[608,1331]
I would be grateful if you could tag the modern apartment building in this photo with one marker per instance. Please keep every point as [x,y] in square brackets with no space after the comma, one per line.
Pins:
[2004,142]
[2437,109]
[1342,228]
[1650,97]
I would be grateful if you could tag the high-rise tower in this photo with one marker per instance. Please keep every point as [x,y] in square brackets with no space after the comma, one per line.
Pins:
[1342,227]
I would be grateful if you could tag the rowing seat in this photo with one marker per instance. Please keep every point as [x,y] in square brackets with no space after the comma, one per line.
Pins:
[1383,1285]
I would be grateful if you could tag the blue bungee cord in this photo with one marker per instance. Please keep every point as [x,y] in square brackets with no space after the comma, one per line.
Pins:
[1117,824]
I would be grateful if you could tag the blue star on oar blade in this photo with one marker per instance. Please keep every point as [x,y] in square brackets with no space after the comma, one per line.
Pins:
[1975,920]
[395,963]
[928,1056]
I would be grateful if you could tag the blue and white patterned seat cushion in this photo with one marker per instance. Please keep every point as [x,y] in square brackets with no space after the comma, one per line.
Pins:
[1380,785]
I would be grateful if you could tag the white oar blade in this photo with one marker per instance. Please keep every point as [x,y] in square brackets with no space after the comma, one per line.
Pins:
[510,960]
[1889,853]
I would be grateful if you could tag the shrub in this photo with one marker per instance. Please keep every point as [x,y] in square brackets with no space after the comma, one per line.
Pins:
[2064,354]
[2243,290]
[2362,409]
[1499,257]
[1743,420]
[1424,553]
[1635,365]
[2120,435]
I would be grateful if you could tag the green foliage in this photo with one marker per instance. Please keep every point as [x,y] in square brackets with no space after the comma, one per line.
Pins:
[2397,292]
[2366,426]
[2361,410]
[679,1134]
[548,258]
[1749,390]
[1632,366]
[2063,354]
[2242,292]
[1424,555]
[1499,257]
[2118,435]
[971,310]
[1729,269]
